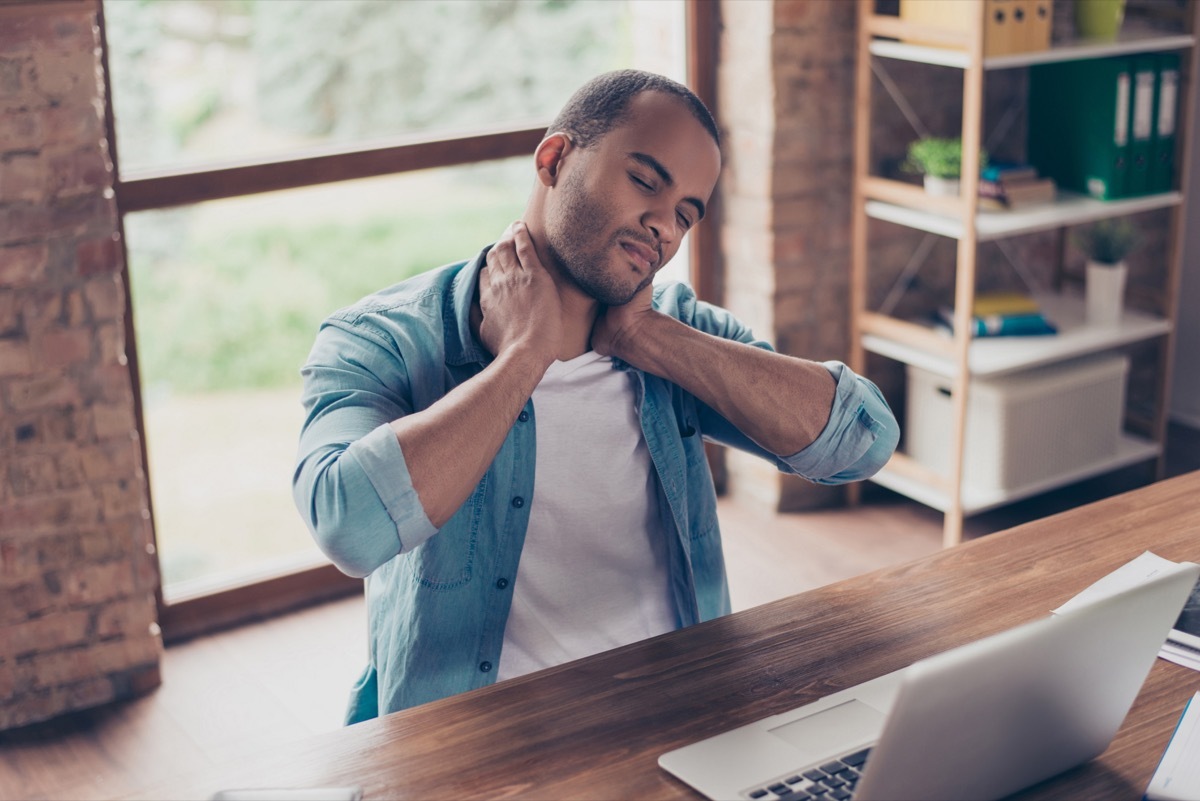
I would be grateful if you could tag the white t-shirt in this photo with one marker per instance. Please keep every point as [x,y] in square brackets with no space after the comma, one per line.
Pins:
[593,571]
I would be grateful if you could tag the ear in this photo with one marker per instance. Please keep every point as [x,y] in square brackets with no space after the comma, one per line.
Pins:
[549,155]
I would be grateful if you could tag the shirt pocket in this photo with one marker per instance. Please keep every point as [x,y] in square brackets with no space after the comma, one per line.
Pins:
[447,559]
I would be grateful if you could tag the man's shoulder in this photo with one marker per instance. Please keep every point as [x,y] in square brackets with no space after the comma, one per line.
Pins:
[675,298]
[679,300]
[416,296]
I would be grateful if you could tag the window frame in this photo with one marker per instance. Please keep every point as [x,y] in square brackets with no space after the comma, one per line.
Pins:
[242,601]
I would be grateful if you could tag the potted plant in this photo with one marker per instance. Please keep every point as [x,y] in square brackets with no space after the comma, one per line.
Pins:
[1106,244]
[1099,19]
[940,161]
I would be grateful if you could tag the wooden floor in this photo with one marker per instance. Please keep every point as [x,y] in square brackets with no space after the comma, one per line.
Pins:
[287,678]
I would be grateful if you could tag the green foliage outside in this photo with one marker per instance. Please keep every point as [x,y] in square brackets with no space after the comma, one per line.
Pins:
[240,309]
[327,71]
[373,67]
[237,306]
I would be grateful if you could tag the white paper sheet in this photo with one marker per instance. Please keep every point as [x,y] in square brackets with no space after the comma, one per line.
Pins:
[1180,656]
[1177,777]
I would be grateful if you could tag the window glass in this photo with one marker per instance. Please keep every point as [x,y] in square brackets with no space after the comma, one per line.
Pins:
[227,299]
[196,81]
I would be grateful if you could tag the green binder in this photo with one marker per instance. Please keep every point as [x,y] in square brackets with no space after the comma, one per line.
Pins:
[1162,159]
[1079,125]
[1143,80]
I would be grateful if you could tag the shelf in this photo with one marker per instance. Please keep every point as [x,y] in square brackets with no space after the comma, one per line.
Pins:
[958,44]
[1131,450]
[1127,43]
[1068,209]
[991,356]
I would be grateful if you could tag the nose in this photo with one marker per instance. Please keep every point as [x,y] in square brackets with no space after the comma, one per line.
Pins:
[660,222]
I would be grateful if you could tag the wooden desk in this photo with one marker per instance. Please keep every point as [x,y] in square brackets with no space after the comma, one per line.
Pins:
[595,728]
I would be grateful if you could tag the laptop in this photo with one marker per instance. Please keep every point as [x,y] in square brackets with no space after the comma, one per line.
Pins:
[977,722]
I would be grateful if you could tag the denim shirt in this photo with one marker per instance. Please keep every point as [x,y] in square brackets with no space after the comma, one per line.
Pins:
[438,599]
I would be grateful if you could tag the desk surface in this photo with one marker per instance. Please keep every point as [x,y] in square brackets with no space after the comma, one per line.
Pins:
[595,728]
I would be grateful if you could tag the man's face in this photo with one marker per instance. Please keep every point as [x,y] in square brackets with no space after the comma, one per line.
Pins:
[623,204]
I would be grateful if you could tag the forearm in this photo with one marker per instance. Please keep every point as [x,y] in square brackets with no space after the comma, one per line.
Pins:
[781,402]
[449,446]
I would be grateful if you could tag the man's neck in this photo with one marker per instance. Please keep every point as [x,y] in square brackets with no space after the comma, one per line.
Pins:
[579,310]
[579,315]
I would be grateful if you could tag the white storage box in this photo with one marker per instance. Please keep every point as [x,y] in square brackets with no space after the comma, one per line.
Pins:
[1021,427]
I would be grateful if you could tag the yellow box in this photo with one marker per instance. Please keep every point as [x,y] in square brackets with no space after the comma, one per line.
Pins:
[1010,26]
[1038,22]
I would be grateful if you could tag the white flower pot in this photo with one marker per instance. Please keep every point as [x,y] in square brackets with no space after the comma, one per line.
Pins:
[1105,285]
[942,187]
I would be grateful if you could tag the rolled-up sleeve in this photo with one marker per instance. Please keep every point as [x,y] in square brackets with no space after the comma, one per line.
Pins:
[859,438]
[351,482]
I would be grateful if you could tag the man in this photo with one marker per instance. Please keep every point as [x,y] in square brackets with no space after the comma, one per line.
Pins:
[511,447]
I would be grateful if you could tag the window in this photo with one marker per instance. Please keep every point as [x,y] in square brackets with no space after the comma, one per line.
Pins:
[227,296]
[280,159]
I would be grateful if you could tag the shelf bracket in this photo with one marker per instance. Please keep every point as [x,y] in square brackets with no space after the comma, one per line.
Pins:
[1022,272]
[1001,128]
[899,99]
[901,284]
[897,94]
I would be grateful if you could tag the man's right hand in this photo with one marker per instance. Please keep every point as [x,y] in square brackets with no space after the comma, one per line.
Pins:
[518,298]
[449,445]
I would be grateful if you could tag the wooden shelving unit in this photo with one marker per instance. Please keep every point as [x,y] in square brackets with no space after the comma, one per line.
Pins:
[960,358]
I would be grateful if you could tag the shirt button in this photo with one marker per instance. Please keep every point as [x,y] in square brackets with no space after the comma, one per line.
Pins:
[485,667]
[501,584]
[518,502]
[523,416]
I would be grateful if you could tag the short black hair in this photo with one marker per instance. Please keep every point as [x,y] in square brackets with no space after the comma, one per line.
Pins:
[602,104]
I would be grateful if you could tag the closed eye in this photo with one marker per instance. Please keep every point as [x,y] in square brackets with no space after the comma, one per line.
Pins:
[645,160]
[640,182]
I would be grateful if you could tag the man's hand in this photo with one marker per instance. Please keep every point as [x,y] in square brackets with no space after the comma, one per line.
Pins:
[518,298]
[780,402]
[616,331]
[449,445]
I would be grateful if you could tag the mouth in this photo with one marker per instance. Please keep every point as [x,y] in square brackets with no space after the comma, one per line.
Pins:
[644,257]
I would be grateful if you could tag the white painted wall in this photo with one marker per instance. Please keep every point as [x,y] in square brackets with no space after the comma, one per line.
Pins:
[1185,378]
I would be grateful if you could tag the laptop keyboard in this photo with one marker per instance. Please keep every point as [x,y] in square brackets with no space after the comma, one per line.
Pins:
[832,780]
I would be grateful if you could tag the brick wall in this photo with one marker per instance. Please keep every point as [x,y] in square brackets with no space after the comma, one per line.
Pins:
[77,565]
[785,99]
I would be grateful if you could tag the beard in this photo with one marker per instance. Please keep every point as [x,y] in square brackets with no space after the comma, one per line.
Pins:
[572,232]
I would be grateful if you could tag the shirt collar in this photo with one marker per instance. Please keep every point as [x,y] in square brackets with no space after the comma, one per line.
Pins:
[461,345]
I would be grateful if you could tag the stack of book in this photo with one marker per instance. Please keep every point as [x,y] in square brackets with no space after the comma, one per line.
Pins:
[1013,186]
[1183,640]
[1000,314]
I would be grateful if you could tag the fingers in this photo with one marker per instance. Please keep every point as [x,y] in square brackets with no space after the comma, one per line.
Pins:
[514,251]
[526,254]
[501,256]
[517,297]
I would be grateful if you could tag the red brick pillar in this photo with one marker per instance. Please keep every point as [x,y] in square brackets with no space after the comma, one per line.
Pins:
[786,88]
[77,567]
